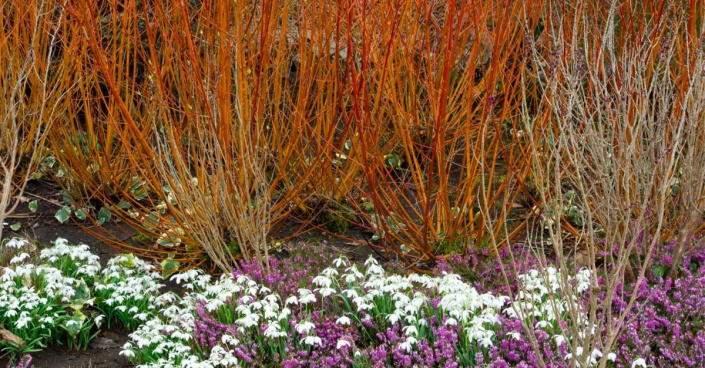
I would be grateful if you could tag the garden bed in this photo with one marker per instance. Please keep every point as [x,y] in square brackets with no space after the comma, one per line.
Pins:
[316,308]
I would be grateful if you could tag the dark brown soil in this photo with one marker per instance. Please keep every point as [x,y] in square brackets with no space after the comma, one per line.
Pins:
[103,352]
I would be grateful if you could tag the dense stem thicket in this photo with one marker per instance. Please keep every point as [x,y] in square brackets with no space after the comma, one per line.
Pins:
[213,129]
[620,168]
[36,76]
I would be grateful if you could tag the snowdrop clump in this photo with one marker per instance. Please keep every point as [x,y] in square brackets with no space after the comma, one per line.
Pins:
[540,300]
[539,290]
[407,300]
[34,299]
[127,288]
[64,296]
[75,261]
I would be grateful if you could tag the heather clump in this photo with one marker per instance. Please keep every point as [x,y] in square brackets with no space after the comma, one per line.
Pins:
[667,326]
[315,311]
[302,263]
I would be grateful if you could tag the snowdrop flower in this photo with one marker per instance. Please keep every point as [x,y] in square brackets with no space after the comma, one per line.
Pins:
[20,258]
[485,341]
[341,343]
[23,321]
[99,320]
[641,362]
[166,298]
[246,299]
[511,312]
[306,296]
[612,357]
[248,321]
[274,331]
[451,322]
[271,298]
[559,339]
[343,321]
[304,327]
[339,262]
[49,320]
[406,345]
[410,330]
[353,274]
[16,243]
[401,300]
[393,318]
[221,357]
[350,278]
[350,293]
[127,351]
[364,307]
[596,354]
[375,270]
[322,281]
[270,314]
[313,340]
[325,292]
[583,280]
[285,313]
[229,340]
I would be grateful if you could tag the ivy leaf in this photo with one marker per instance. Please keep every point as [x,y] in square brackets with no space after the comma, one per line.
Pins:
[33,206]
[81,213]
[675,189]
[659,271]
[82,294]
[74,324]
[63,214]
[128,260]
[103,215]
[169,266]
[16,226]
[67,199]
[393,160]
